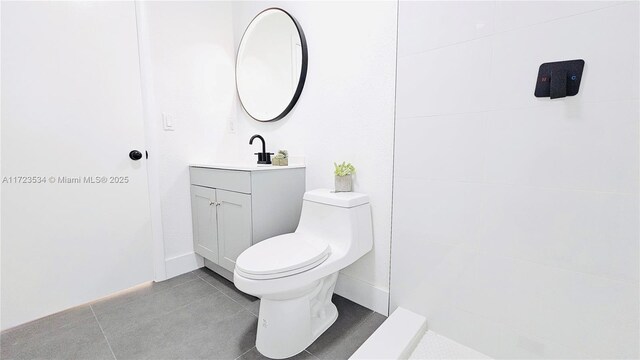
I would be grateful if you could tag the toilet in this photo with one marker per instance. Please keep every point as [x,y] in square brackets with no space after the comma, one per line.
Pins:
[295,274]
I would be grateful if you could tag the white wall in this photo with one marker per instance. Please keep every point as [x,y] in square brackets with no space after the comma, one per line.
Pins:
[345,112]
[188,59]
[515,226]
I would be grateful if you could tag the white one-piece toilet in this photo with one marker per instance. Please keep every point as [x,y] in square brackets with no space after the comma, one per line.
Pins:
[294,274]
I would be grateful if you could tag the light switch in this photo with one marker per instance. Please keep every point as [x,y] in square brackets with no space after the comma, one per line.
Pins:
[168,122]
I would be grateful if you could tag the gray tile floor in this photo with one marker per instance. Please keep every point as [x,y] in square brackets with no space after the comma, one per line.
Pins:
[198,315]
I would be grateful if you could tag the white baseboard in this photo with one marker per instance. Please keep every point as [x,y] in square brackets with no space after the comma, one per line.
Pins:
[363,293]
[181,264]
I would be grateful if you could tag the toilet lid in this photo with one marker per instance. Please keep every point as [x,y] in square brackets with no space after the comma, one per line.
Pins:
[281,256]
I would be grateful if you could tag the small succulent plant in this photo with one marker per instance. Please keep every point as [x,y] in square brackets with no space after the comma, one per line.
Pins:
[344,169]
[282,154]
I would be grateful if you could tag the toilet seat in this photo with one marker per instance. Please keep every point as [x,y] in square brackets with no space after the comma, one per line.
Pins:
[281,256]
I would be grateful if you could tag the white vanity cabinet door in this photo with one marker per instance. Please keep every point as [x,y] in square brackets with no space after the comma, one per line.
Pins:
[205,228]
[234,226]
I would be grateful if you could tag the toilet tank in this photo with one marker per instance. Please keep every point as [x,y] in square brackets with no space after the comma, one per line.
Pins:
[342,219]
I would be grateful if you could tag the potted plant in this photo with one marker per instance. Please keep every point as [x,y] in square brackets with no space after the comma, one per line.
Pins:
[281,159]
[344,179]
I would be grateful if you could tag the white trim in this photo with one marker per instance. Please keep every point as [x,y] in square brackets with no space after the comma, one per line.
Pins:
[184,263]
[363,293]
[396,338]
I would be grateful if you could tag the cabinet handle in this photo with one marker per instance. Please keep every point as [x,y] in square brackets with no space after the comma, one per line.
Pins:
[218,204]
[213,203]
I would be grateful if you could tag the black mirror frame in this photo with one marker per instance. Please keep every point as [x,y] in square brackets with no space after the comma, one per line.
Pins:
[303,68]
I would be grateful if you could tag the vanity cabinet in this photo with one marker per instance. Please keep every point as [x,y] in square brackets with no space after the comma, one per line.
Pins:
[221,224]
[235,207]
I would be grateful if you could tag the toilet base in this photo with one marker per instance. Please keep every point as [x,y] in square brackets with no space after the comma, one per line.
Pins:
[288,326]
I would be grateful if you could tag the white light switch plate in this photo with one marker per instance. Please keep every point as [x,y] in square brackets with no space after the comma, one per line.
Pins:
[168,122]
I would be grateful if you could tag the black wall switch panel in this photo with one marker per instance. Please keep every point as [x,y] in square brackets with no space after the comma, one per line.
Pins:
[559,79]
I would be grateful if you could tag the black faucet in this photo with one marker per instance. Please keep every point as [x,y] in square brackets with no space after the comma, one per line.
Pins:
[263,157]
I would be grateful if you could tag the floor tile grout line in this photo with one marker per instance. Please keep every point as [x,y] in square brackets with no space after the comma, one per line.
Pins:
[154,294]
[230,298]
[223,293]
[198,298]
[176,285]
[241,355]
[128,302]
[310,353]
[361,322]
[103,334]
[217,288]
[168,312]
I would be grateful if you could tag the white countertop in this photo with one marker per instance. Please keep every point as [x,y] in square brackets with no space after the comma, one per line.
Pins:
[247,167]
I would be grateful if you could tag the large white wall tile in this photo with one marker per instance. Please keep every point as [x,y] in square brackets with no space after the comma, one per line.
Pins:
[611,55]
[446,212]
[502,341]
[590,146]
[425,25]
[449,80]
[575,230]
[442,266]
[547,303]
[510,15]
[448,147]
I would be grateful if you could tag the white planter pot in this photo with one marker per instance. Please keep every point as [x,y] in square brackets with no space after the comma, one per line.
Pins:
[344,183]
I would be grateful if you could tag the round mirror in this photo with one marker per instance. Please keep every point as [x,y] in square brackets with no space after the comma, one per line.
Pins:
[271,65]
